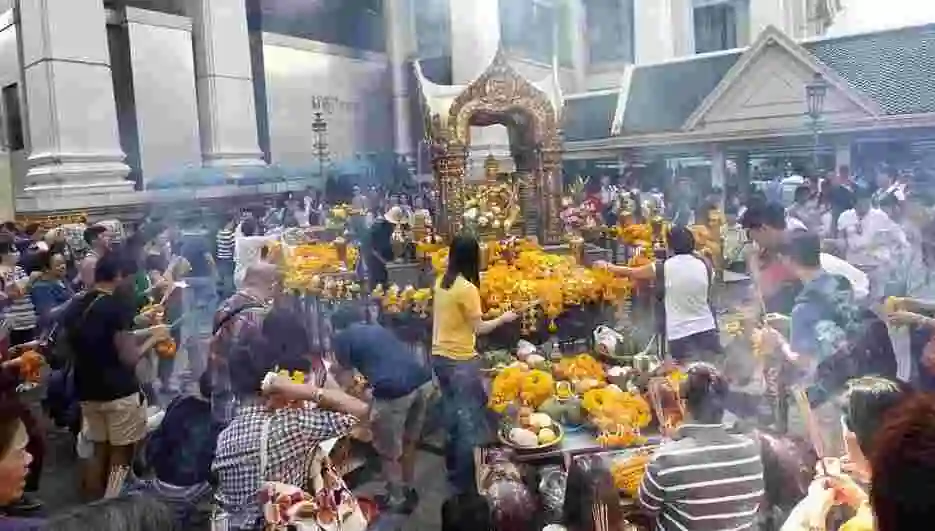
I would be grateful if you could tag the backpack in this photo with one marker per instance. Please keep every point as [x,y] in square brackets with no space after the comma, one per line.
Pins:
[56,344]
[61,398]
[867,350]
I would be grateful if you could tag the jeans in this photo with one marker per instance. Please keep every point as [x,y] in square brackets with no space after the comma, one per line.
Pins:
[225,279]
[199,302]
[468,422]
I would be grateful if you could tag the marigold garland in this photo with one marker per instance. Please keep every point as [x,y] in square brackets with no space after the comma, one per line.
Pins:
[531,387]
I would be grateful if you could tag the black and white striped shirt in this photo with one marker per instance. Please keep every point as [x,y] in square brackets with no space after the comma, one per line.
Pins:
[705,480]
[225,245]
[21,314]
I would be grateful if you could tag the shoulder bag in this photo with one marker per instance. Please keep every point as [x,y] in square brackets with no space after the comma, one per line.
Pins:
[330,506]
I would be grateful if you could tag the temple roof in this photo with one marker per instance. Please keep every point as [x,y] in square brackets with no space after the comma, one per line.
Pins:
[500,84]
[893,69]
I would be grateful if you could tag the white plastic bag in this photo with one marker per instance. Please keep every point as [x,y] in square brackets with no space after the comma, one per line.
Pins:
[606,340]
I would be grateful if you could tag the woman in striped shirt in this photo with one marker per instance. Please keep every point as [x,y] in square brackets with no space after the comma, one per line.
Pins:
[224,252]
[21,314]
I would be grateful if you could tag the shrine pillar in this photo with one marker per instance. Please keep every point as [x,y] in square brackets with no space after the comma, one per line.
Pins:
[450,162]
[550,192]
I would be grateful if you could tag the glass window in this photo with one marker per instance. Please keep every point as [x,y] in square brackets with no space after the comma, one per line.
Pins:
[433,27]
[719,24]
[609,30]
[13,118]
[357,24]
[530,28]
[173,7]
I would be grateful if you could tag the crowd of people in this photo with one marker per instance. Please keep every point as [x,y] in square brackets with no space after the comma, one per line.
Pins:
[845,356]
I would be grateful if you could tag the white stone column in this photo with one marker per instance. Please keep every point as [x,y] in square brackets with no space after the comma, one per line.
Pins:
[767,12]
[475,37]
[653,30]
[579,52]
[224,82]
[842,155]
[74,143]
[683,27]
[399,46]
[718,168]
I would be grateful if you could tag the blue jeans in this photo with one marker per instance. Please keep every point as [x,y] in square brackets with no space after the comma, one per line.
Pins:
[199,302]
[468,422]
[225,280]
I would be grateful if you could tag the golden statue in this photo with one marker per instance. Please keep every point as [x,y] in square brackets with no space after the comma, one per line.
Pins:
[492,206]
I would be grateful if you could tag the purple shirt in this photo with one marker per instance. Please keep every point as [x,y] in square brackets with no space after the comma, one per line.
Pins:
[19,524]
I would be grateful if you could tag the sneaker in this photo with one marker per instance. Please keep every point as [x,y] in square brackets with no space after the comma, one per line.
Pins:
[404,506]
[412,501]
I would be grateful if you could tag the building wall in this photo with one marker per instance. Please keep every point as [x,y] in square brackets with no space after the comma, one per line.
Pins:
[164,92]
[10,73]
[350,88]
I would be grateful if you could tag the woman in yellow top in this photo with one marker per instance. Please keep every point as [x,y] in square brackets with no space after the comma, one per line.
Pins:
[457,321]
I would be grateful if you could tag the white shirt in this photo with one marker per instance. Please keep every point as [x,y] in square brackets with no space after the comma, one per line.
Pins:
[871,241]
[247,252]
[793,223]
[860,283]
[608,194]
[688,310]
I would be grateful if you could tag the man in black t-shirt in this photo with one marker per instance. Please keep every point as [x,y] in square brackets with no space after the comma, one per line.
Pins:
[106,353]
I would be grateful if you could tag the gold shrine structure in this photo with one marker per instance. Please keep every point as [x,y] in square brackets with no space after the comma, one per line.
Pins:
[531,113]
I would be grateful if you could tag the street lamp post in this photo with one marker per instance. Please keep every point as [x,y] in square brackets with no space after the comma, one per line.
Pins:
[320,128]
[815,99]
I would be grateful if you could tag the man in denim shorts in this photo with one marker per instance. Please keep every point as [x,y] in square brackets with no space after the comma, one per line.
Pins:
[401,385]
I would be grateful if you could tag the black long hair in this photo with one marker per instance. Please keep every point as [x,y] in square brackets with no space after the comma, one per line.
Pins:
[283,344]
[464,260]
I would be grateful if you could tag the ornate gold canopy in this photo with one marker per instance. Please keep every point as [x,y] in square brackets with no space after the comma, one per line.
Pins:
[499,96]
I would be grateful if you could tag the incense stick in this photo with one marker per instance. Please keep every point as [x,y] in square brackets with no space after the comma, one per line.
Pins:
[814,433]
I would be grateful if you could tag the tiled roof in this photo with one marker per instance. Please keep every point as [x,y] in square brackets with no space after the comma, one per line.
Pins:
[896,68]
[663,96]
[589,117]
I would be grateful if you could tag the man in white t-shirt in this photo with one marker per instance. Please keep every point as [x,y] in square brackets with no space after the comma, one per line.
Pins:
[870,240]
[248,248]
[690,326]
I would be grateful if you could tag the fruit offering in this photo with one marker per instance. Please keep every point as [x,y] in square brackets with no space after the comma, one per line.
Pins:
[628,473]
[532,429]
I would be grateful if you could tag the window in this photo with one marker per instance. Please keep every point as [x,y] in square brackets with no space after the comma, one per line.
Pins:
[433,27]
[172,7]
[609,30]
[14,118]
[536,29]
[720,24]
[356,24]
